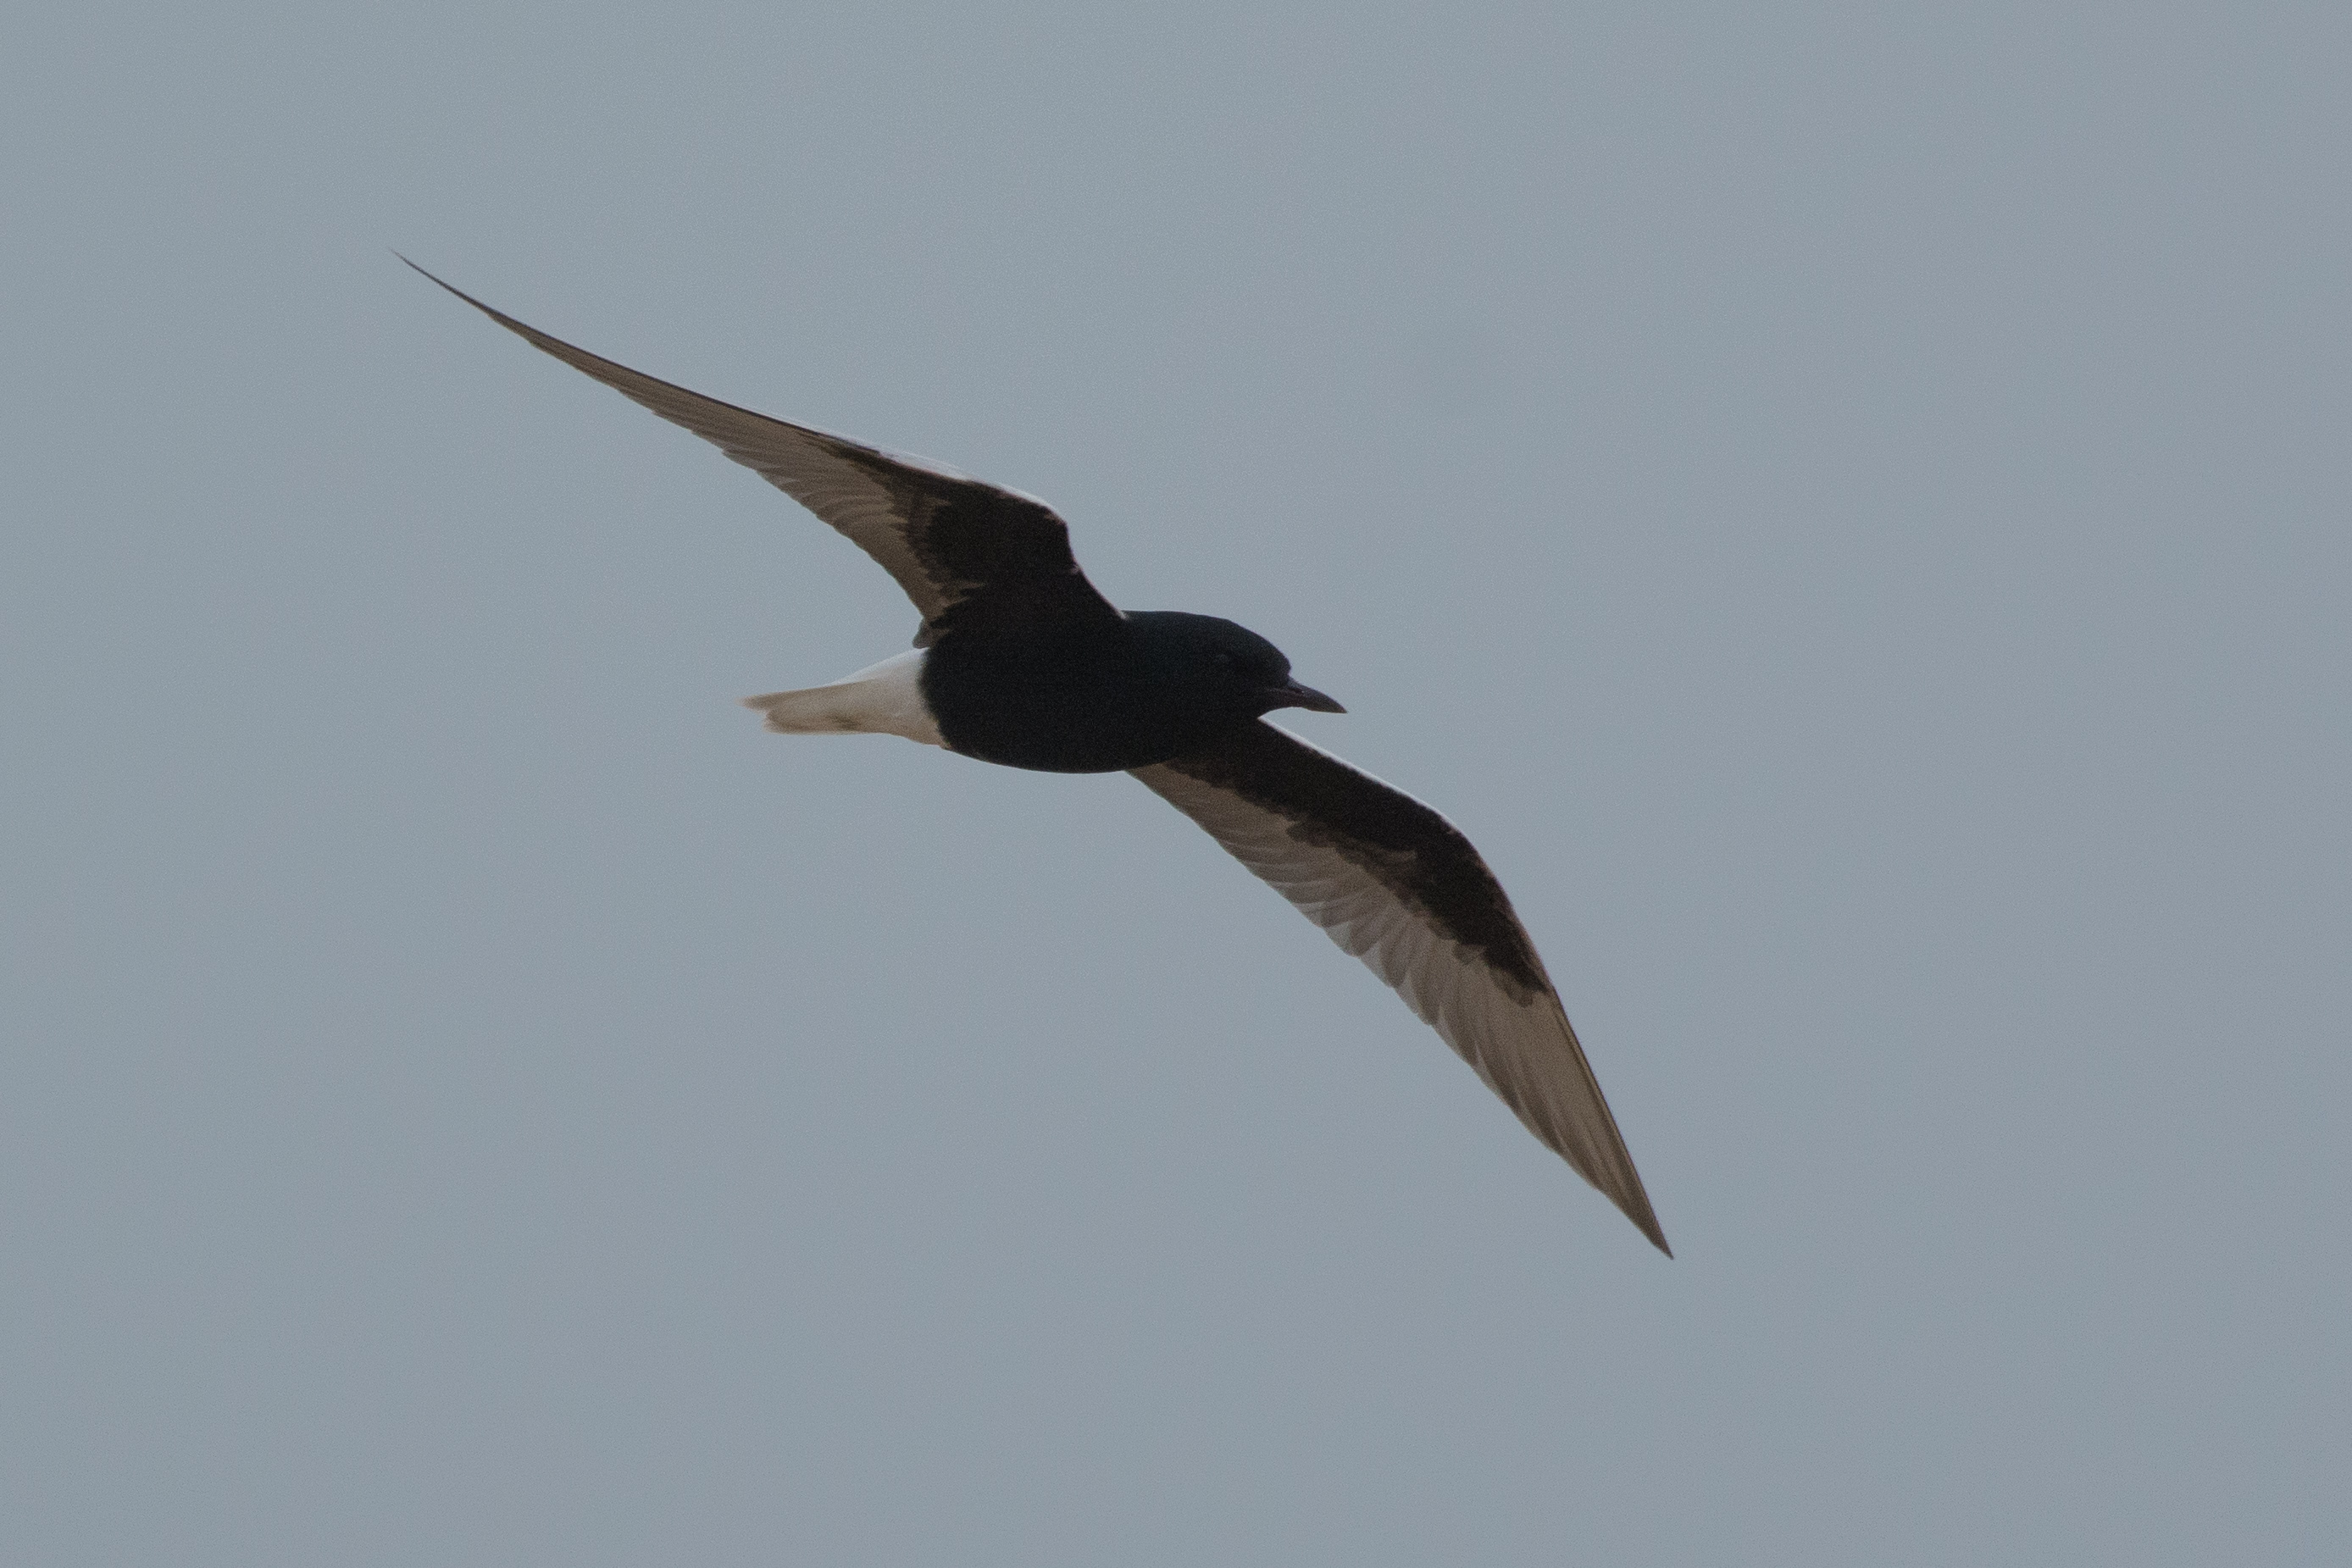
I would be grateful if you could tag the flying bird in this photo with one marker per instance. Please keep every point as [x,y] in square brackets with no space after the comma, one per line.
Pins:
[1020,662]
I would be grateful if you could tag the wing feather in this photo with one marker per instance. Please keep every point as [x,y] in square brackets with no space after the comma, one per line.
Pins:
[949,540]
[1398,886]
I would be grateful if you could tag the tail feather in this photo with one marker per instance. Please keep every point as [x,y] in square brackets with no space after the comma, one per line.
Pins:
[882,699]
[817,710]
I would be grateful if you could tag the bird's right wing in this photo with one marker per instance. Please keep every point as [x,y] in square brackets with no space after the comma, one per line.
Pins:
[1399,886]
[966,551]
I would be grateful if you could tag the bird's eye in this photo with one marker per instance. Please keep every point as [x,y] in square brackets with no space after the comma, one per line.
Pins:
[1225,660]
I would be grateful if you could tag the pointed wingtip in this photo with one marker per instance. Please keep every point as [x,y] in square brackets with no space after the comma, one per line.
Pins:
[1635,1207]
[500,317]
[439,283]
[1646,1221]
[418,270]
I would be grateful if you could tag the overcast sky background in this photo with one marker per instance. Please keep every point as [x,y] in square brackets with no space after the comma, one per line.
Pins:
[1847,510]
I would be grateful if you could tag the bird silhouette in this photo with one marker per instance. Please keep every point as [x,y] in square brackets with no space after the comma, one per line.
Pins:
[1019,661]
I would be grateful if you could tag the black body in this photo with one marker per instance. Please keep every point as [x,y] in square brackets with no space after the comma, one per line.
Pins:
[1082,694]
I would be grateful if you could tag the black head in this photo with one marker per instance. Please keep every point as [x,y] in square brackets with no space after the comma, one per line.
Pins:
[1224,665]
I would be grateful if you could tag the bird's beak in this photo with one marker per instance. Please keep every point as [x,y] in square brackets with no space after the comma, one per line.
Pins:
[1296,695]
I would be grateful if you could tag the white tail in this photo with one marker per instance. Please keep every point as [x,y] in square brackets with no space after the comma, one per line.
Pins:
[881,699]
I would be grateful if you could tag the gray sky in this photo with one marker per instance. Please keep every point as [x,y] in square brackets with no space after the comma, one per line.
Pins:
[1846,509]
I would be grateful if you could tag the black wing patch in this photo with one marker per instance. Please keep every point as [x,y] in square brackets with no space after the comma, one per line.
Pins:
[1400,887]
[967,552]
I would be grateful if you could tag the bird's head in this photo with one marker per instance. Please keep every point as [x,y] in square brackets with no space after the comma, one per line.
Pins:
[1238,669]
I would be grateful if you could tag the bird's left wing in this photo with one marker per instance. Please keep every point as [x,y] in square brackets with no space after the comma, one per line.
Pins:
[965,550]
[1399,886]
